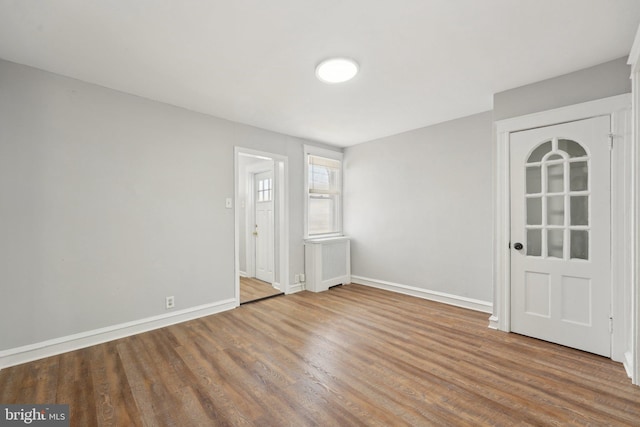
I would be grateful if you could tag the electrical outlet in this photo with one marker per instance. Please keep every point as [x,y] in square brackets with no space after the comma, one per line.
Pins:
[296,278]
[170,302]
[302,278]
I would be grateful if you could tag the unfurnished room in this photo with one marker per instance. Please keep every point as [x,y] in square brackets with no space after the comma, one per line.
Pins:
[319,213]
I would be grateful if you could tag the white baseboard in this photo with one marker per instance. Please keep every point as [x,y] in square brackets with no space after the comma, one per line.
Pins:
[277,286]
[31,352]
[458,301]
[296,287]
[628,364]
[243,274]
[494,322]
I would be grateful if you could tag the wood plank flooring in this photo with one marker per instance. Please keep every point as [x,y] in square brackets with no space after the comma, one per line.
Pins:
[252,289]
[350,356]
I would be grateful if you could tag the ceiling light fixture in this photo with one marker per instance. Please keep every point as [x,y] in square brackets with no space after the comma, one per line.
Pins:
[336,70]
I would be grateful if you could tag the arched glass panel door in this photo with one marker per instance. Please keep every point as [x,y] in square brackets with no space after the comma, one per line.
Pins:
[557,200]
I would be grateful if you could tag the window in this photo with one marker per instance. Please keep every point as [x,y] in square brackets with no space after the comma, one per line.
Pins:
[264,190]
[557,200]
[323,188]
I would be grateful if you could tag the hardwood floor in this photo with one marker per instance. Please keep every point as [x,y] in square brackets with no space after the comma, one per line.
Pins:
[252,289]
[350,356]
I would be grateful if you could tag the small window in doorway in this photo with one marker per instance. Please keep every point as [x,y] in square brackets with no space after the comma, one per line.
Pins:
[265,190]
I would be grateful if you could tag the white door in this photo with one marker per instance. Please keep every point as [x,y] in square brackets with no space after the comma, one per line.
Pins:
[560,234]
[264,226]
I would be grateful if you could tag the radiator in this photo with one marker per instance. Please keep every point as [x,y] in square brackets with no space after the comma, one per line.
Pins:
[327,263]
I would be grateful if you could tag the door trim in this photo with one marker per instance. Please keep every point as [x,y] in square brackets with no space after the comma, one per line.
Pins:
[619,108]
[281,175]
[634,357]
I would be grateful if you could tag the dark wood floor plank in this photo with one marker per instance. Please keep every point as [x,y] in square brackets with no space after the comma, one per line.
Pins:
[75,387]
[350,356]
[114,401]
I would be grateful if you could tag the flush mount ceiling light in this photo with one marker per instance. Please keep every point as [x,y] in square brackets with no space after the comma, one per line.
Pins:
[336,70]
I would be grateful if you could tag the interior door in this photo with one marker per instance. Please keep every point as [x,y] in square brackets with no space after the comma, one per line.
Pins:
[560,234]
[264,227]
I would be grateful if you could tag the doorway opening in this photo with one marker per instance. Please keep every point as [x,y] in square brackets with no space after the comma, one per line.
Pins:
[261,226]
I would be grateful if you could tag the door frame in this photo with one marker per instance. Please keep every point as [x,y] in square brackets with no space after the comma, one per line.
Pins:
[281,206]
[250,210]
[619,109]
[634,62]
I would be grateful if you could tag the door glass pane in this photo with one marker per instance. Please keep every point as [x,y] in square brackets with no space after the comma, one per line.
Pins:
[554,243]
[534,211]
[572,148]
[578,176]
[534,242]
[534,180]
[539,152]
[579,244]
[579,210]
[555,178]
[555,210]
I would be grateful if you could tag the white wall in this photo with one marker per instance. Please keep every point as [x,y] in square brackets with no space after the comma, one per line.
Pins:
[110,202]
[418,208]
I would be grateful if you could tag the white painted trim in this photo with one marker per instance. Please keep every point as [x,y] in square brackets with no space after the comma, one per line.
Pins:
[281,169]
[297,287]
[277,286]
[635,233]
[633,361]
[628,363]
[501,316]
[31,352]
[243,274]
[327,239]
[493,322]
[621,240]
[618,108]
[634,55]
[458,301]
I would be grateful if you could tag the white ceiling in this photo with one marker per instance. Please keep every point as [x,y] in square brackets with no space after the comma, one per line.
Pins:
[252,61]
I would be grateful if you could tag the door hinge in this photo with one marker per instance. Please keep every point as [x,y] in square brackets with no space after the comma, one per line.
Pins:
[610,324]
[611,136]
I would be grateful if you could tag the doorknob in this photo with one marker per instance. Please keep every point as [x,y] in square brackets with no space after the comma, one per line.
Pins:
[518,246]
[255,233]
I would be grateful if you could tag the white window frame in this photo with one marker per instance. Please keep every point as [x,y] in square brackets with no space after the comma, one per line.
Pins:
[310,150]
